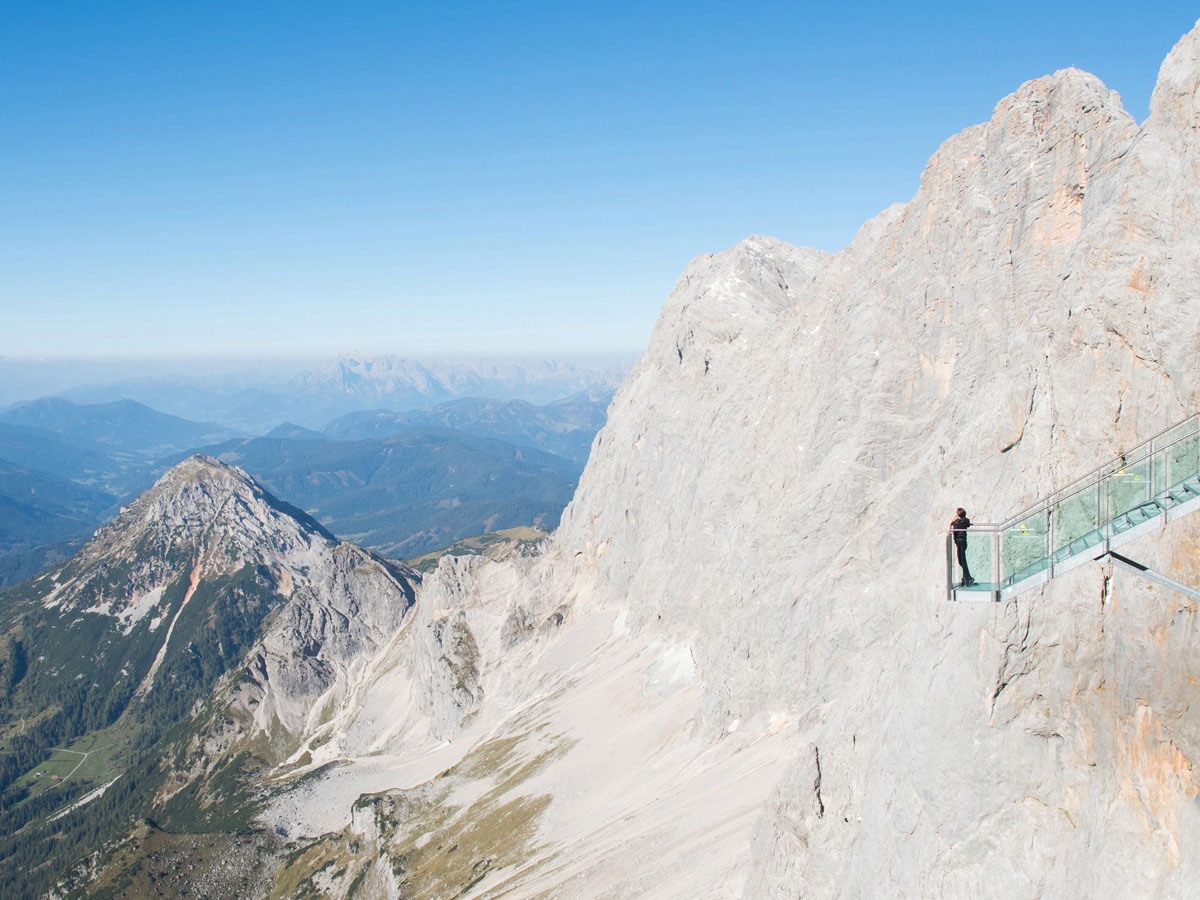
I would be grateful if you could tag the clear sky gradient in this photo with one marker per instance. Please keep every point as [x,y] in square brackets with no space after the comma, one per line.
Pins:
[297,179]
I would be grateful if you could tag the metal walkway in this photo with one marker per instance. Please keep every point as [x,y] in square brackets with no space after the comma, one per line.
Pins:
[1130,495]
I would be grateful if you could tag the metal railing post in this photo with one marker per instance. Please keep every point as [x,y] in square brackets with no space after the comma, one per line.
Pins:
[1153,485]
[949,565]
[996,560]
[1050,540]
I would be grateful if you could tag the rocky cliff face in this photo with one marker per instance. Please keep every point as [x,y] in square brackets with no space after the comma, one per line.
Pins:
[1025,316]
[734,672]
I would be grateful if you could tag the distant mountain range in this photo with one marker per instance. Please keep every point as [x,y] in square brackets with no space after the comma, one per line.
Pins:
[355,383]
[74,459]
[43,518]
[564,427]
[105,446]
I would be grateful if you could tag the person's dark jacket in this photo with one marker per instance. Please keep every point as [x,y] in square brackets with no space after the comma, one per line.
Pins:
[962,522]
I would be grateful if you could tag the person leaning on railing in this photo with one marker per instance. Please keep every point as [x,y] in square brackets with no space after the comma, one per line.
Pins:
[958,527]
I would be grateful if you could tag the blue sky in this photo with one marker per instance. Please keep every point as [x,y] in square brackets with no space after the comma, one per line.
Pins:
[297,179]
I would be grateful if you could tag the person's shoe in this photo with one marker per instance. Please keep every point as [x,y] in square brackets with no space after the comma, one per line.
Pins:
[970,582]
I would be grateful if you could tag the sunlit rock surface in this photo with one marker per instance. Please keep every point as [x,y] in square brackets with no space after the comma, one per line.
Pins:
[734,671]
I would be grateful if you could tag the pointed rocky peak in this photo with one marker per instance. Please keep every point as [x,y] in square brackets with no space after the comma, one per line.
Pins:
[1175,103]
[202,493]
[1050,135]
[202,468]
[1060,100]
[202,517]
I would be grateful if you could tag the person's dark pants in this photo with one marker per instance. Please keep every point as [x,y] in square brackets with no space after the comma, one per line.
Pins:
[962,561]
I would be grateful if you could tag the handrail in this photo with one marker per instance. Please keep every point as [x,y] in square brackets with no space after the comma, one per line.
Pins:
[1126,459]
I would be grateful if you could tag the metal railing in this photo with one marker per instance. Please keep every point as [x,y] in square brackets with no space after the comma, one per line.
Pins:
[1130,493]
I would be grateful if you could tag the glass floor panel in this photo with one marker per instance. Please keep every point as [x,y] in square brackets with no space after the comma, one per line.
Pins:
[979,587]
[1079,545]
[1034,568]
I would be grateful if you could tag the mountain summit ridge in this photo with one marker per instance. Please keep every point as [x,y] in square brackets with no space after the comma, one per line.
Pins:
[200,513]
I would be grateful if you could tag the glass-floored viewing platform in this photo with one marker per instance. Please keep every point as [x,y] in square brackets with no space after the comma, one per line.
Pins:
[1130,495]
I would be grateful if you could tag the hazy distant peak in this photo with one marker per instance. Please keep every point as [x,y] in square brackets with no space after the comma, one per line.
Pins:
[292,431]
[359,381]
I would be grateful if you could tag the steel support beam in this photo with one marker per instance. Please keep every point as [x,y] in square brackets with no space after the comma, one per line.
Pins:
[1149,574]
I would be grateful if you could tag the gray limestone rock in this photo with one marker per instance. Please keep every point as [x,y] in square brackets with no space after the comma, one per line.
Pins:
[771,481]
[734,672]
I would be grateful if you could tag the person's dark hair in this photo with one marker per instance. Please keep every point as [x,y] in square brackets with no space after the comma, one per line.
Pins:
[961,513]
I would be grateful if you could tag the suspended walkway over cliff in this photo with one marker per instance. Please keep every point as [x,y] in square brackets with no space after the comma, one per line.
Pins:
[1133,494]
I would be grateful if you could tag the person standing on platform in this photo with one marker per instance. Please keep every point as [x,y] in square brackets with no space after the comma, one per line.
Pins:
[959,526]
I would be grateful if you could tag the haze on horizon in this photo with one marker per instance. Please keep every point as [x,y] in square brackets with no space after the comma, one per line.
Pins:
[290,182]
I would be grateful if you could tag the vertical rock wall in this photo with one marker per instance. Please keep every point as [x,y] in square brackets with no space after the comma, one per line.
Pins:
[773,475]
